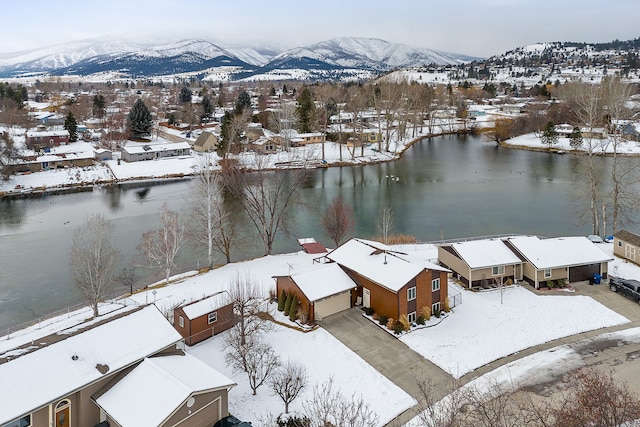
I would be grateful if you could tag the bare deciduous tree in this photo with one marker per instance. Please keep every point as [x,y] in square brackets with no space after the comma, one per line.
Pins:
[437,410]
[266,197]
[386,223]
[128,277]
[246,297]
[161,246]
[338,220]
[93,259]
[255,357]
[288,381]
[329,407]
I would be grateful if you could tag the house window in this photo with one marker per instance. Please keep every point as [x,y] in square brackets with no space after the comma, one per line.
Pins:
[412,317]
[181,321]
[435,285]
[547,273]
[212,317]
[435,307]
[411,294]
[498,271]
[20,422]
[619,243]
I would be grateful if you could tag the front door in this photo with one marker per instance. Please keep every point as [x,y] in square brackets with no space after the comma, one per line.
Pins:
[63,412]
[366,297]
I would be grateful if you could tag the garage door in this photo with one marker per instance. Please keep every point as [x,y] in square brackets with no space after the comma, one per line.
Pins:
[205,417]
[333,305]
[583,273]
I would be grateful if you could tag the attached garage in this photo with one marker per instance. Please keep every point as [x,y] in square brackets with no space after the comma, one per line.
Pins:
[332,305]
[583,273]
[321,290]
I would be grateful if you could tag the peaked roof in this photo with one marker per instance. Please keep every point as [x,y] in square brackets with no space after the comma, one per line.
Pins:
[206,305]
[380,263]
[157,387]
[628,237]
[205,137]
[558,251]
[485,253]
[323,281]
[45,374]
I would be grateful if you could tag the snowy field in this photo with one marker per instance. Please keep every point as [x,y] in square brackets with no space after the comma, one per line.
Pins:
[600,146]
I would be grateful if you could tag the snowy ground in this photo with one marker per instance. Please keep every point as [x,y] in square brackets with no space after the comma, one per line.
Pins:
[476,332]
[601,145]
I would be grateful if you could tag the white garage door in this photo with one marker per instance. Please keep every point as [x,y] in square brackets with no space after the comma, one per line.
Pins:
[333,305]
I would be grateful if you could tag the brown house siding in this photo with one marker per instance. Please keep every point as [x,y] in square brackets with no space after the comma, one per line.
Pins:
[290,287]
[199,329]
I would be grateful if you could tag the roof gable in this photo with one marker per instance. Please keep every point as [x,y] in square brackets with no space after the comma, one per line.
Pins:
[628,237]
[71,363]
[206,305]
[485,253]
[558,252]
[323,281]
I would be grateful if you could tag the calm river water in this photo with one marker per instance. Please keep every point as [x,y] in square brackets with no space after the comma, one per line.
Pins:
[445,187]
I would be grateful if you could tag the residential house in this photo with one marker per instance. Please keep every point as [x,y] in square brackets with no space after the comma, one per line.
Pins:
[263,145]
[632,131]
[311,138]
[627,245]
[321,290]
[311,246]
[204,318]
[41,139]
[391,282]
[567,259]
[139,152]
[481,263]
[206,142]
[123,368]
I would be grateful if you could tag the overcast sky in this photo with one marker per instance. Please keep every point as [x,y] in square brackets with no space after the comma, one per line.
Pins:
[473,27]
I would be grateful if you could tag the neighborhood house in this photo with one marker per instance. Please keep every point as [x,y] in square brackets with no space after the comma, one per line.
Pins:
[627,245]
[124,368]
[204,318]
[138,152]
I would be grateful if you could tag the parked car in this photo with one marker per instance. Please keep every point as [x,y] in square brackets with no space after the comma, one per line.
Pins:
[231,421]
[595,238]
[630,288]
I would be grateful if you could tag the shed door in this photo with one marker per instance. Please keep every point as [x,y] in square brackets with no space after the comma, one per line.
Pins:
[366,297]
[630,252]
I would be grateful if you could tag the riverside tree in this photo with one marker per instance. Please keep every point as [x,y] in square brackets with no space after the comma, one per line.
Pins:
[139,120]
[161,246]
[94,259]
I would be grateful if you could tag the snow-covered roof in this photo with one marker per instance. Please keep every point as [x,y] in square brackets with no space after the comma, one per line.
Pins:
[323,281]
[151,392]
[44,374]
[559,251]
[206,305]
[485,253]
[145,148]
[46,133]
[379,263]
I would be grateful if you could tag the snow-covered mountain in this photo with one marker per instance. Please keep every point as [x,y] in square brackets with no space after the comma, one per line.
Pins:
[200,56]
[366,53]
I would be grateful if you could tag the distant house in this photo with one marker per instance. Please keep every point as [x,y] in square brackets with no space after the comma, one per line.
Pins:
[568,259]
[264,145]
[311,246]
[41,139]
[480,263]
[204,318]
[102,154]
[311,138]
[391,282]
[206,142]
[321,290]
[121,369]
[627,245]
[632,131]
[53,158]
[139,152]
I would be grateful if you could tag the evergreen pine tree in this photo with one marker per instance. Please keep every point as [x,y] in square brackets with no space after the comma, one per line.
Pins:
[575,138]
[207,107]
[282,300]
[306,111]
[185,95]
[71,126]
[549,136]
[287,304]
[99,106]
[244,101]
[293,310]
[139,120]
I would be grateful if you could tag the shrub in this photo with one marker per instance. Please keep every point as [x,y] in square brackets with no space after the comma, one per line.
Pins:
[425,312]
[445,306]
[368,310]
[398,327]
[287,304]
[303,315]
[293,310]
[272,295]
[550,284]
[282,300]
[383,320]
[375,316]
[420,320]
[436,313]
[294,421]
[404,321]
[560,283]
[390,324]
